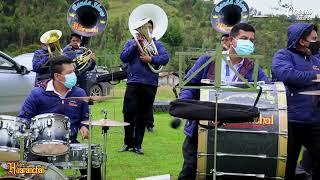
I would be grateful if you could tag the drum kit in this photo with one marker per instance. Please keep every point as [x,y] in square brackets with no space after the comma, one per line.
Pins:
[48,136]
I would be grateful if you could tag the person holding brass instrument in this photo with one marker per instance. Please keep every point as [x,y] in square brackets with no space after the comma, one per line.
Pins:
[141,88]
[241,40]
[73,51]
[49,96]
[224,41]
[297,66]
[50,47]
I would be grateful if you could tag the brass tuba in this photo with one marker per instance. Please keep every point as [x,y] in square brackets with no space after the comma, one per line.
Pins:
[86,18]
[227,13]
[138,21]
[51,40]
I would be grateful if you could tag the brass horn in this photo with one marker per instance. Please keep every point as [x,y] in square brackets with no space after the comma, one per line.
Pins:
[227,13]
[51,40]
[138,21]
[86,18]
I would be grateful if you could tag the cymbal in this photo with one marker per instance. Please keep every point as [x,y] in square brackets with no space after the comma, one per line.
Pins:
[311,93]
[316,80]
[91,98]
[106,123]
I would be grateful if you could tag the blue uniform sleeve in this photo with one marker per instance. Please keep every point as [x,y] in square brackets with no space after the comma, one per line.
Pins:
[194,93]
[283,69]
[163,56]
[38,60]
[68,53]
[29,108]
[84,110]
[129,51]
[262,76]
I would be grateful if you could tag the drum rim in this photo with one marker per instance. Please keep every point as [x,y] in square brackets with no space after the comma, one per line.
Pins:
[47,166]
[12,118]
[12,149]
[50,115]
[81,146]
[41,142]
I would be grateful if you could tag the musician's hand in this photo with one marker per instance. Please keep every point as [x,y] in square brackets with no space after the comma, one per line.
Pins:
[84,132]
[93,56]
[145,58]
[139,37]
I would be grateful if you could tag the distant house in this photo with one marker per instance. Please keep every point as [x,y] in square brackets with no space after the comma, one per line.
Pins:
[168,79]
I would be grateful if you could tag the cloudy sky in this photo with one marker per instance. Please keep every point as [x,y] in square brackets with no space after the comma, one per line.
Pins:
[272,6]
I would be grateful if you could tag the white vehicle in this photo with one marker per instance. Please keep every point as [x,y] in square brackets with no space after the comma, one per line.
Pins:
[16,81]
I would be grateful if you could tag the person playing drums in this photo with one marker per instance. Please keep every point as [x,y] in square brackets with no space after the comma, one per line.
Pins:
[241,40]
[48,98]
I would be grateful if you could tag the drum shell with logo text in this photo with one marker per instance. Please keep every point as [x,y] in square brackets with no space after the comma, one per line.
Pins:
[255,149]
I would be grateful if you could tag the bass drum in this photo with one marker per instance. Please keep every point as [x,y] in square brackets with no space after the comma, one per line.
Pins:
[247,150]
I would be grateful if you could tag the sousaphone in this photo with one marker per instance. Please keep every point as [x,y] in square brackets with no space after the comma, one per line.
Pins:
[87,18]
[227,13]
[138,20]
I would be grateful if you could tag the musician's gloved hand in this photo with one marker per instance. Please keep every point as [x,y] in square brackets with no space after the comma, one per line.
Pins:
[84,132]
[145,58]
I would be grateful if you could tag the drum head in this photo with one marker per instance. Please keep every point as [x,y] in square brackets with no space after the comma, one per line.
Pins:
[9,154]
[49,148]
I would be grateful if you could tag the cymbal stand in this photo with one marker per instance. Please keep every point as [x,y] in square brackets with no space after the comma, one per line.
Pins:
[215,137]
[104,148]
[90,103]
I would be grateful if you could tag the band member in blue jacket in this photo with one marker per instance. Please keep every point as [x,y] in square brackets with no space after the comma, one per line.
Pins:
[141,90]
[296,66]
[73,50]
[40,58]
[241,39]
[48,98]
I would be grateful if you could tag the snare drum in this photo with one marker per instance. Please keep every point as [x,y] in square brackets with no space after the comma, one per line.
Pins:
[245,150]
[10,129]
[77,157]
[50,134]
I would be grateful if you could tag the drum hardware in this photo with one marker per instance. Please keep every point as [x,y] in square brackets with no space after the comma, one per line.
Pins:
[105,124]
[311,93]
[262,176]
[91,98]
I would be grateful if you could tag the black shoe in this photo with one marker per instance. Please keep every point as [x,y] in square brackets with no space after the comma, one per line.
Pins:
[138,150]
[150,129]
[124,148]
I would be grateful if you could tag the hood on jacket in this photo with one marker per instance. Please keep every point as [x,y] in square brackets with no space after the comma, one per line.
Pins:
[295,32]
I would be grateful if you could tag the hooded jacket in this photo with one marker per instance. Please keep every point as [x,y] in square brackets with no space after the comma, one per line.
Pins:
[40,101]
[297,71]
[208,72]
[138,71]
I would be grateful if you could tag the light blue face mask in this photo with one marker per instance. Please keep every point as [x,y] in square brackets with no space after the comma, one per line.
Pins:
[70,80]
[244,47]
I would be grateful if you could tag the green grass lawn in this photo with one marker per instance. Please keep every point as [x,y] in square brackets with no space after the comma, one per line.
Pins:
[162,148]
